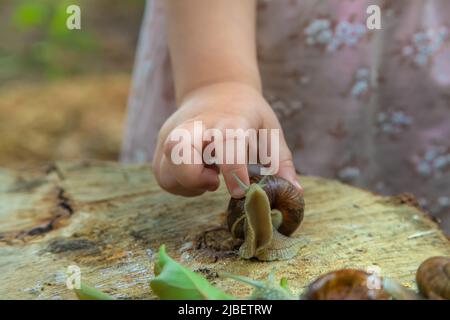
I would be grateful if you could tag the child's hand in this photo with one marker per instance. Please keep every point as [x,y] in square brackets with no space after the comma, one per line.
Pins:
[222,106]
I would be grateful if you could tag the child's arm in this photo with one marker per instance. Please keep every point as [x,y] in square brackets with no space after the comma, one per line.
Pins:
[213,55]
[211,42]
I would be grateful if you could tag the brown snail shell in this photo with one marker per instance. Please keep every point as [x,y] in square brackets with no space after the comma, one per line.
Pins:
[433,278]
[345,284]
[283,196]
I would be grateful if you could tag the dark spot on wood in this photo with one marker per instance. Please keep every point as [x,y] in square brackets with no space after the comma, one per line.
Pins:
[216,238]
[208,273]
[64,202]
[216,243]
[62,211]
[409,199]
[60,245]
[26,185]
[142,234]
[39,230]
[54,168]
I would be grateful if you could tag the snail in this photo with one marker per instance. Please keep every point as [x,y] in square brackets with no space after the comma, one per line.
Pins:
[346,284]
[270,212]
[433,278]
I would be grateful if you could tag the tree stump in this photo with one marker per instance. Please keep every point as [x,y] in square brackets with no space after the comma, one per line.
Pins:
[110,219]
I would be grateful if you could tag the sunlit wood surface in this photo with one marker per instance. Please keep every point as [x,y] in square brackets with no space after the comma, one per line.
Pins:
[110,219]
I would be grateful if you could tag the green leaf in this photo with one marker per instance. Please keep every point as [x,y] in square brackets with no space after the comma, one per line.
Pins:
[284,283]
[175,282]
[266,290]
[90,293]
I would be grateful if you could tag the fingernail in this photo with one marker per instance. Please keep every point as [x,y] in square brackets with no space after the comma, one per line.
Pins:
[237,193]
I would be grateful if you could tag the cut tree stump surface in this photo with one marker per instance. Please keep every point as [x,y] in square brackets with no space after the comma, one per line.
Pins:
[110,219]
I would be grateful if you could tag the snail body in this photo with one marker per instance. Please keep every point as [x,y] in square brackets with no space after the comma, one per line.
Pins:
[265,218]
[433,278]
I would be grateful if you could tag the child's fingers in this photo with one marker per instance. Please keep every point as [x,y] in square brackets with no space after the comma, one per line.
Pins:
[286,168]
[165,177]
[287,171]
[168,181]
[234,165]
[190,173]
[195,176]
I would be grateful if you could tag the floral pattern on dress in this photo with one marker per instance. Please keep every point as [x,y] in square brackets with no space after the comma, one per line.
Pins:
[322,32]
[424,44]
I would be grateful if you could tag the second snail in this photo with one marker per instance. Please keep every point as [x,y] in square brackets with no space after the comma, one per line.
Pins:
[432,279]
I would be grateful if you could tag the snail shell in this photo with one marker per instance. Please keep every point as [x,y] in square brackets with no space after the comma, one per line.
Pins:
[283,196]
[433,278]
[346,284]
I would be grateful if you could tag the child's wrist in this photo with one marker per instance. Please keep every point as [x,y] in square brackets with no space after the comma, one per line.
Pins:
[218,85]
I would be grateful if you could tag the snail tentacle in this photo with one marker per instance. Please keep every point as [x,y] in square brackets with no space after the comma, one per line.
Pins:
[240,183]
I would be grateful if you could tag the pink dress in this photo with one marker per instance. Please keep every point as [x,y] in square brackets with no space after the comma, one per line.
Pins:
[367,107]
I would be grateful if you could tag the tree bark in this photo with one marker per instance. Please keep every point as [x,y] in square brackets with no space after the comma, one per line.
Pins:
[110,219]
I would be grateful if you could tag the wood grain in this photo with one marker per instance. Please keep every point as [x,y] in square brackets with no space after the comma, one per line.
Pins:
[110,219]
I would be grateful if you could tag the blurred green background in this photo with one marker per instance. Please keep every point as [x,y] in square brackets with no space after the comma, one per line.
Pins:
[36,43]
[63,92]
